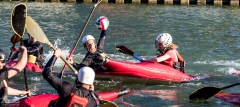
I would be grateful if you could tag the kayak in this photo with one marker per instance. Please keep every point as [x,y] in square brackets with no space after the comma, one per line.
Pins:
[233,98]
[147,73]
[43,100]
[133,72]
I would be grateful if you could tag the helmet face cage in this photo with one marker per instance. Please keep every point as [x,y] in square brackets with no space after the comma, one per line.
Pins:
[85,45]
[156,45]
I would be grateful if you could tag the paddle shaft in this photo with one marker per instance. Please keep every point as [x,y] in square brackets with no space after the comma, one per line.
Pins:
[11,52]
[125,50]
[230,86]
[25,71]
[69,65]
[80,35]
[138,58]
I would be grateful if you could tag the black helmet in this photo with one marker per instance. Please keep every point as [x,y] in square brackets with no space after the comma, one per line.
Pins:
[2,55]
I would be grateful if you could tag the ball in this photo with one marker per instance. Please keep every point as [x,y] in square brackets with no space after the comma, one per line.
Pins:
[102,23]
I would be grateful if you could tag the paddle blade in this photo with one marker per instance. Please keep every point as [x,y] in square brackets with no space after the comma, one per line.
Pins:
[18,19]
[124,50]
[204,93]
[108,104]
[35,31]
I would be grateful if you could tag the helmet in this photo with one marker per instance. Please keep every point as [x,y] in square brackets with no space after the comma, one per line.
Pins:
[2,55]
[86,38]
[165,39]
[86,75]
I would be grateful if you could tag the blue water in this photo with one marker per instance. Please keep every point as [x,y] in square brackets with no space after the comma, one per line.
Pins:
[207,36]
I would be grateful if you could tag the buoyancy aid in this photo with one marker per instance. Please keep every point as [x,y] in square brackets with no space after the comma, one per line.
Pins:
[4,93]
[180,65]
[76,101]
[3,86]
[168,62]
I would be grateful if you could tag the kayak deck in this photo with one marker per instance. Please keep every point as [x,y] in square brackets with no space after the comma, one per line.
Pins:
[43,100]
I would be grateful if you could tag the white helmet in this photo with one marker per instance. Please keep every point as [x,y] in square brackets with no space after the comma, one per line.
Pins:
[86,75]
[86,38]
[165,39]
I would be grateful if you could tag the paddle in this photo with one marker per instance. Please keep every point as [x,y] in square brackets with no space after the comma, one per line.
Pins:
[104,103]
[108,104]
[36,32]
[18,20]
[125,50]
[207,92]
[75,45]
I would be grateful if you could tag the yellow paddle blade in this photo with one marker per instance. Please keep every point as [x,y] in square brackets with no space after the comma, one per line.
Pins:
[108,104]
[35,31]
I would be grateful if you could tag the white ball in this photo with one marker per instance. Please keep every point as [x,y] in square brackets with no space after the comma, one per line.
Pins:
[102,23]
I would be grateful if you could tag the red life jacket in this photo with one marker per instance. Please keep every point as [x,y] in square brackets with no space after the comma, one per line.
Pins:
[167,62]
[170,63]
[76,101]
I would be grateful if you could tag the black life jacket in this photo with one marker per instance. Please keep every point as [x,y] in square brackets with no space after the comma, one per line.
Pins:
[3,87]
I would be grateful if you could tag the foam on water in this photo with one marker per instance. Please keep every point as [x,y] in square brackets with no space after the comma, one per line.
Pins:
[234,63]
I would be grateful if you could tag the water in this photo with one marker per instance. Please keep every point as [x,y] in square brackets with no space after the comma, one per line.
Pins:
[207,36]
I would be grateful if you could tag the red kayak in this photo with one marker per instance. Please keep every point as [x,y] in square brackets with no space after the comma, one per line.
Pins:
[142,72]
[42,100]
[129,72]
[233,98]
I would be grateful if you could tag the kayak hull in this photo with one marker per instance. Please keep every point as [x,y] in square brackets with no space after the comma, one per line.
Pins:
[134,73]
[42,100]
[143,72]
[233,98]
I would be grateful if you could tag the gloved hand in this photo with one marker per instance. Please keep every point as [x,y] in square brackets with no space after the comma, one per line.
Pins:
[98,59]
[15,39]
[102,23]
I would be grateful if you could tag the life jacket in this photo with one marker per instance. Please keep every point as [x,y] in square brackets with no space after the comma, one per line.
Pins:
[168,62]
[76,101]
[3,93]
[180,65]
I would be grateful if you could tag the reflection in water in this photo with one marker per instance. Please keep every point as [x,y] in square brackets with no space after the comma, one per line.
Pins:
[162,94]
[149,96]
